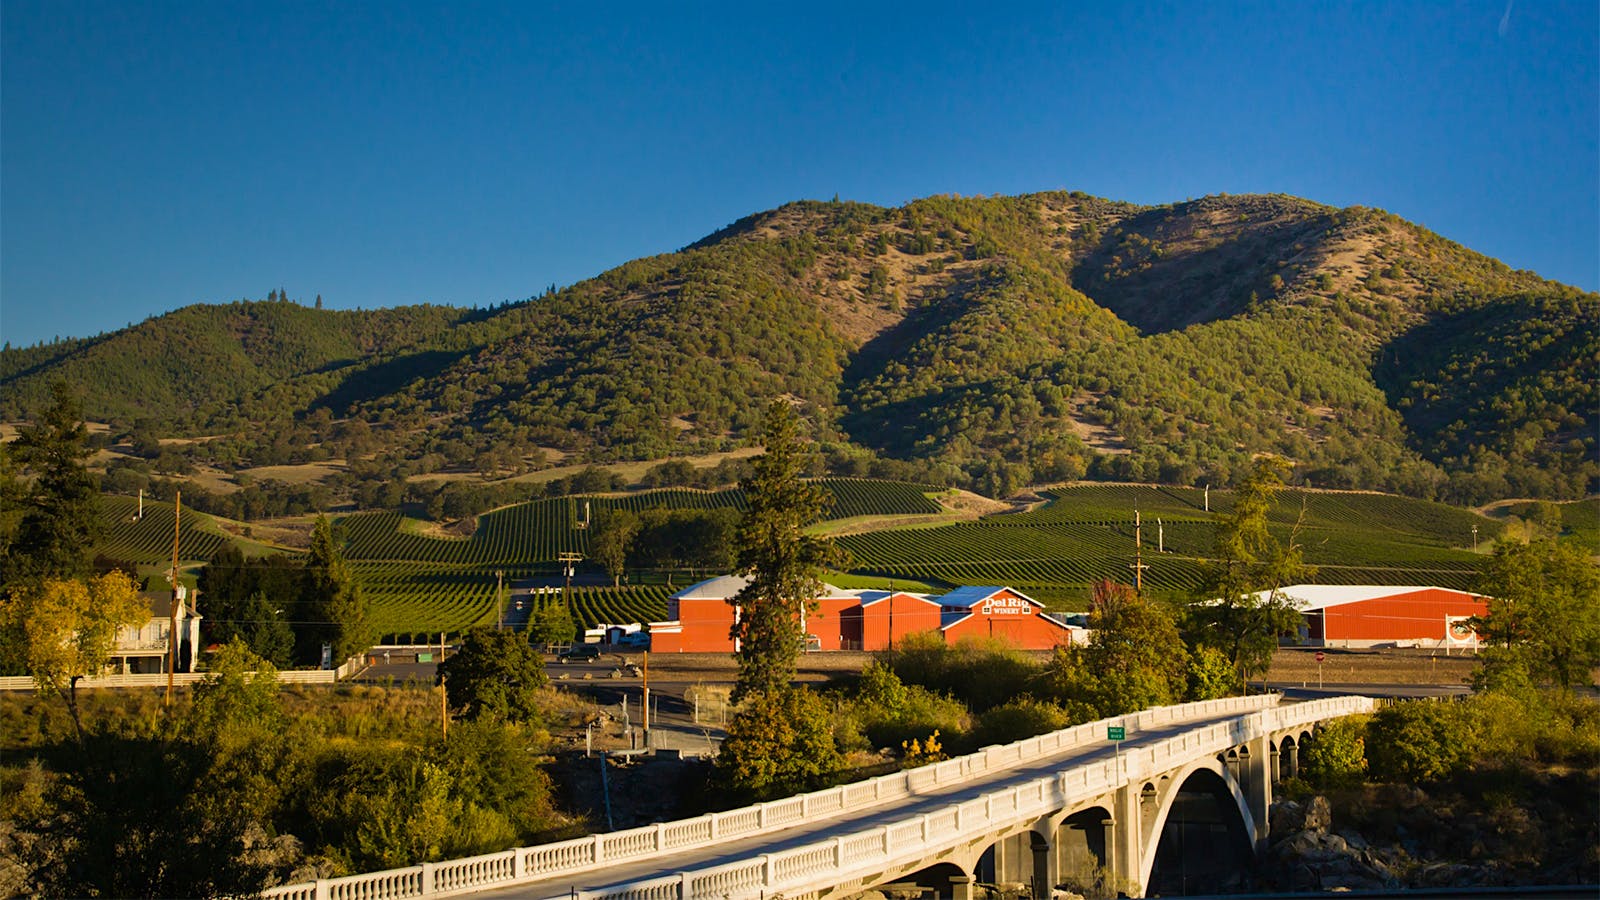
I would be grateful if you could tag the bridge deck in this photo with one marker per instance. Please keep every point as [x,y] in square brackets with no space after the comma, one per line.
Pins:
[878,815]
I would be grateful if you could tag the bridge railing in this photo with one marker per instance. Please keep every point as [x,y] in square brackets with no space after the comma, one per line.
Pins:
[834,860]
[569,857]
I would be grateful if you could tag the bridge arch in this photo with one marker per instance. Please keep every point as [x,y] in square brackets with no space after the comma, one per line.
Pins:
[1211,775]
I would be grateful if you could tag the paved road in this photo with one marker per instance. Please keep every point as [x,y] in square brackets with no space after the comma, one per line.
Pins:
[931,800]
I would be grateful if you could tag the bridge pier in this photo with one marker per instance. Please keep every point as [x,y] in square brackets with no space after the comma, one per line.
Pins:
[1126,839]
[1257,758]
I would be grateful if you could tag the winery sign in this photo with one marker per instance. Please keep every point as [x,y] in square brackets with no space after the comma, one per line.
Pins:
[1006,606]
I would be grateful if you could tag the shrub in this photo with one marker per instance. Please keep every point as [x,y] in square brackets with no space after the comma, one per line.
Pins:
[1021,718]
[1421,740]
[1336,755]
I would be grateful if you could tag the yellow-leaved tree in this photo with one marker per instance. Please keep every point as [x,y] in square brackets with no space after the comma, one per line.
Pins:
[68,628]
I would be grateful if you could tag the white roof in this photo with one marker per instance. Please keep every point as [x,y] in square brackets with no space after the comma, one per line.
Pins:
[719,588]
[725,587]
[1312,597]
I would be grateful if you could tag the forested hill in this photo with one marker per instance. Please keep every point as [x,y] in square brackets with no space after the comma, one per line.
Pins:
[991,342]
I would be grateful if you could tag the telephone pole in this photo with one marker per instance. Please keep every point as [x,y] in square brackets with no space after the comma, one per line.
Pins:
[1138,555]
[569,562]
[172,611]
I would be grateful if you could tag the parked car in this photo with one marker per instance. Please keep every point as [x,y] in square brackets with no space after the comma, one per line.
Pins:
[637,640]
[579,653]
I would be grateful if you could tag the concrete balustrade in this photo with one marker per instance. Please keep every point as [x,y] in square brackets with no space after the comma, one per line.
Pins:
[850,851]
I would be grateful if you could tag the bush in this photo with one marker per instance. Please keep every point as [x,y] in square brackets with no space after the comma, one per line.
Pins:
[780,744]
[1021,718]
[982,673]
[1336,755]
[1421,740]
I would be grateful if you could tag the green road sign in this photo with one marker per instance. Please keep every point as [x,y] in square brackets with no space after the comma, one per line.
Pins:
[1116,732]
[424,657]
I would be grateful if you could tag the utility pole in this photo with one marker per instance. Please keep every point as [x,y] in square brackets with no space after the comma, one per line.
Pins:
[1138,555]
[499,603]
[172,612]
[645,706]
[569,562]
[444,699]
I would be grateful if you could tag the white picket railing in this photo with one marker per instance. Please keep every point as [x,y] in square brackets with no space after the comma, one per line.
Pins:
[525,864]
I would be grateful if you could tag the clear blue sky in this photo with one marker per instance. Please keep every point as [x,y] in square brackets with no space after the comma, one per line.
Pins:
[156,154]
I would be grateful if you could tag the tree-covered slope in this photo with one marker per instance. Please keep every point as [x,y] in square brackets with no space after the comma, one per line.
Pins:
[191,367]
[992,341]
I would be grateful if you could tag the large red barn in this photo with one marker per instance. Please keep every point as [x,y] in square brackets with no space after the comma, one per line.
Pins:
[1367,615]
[699,618]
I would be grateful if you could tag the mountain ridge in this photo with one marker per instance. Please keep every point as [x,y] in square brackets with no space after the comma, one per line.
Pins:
[972,341]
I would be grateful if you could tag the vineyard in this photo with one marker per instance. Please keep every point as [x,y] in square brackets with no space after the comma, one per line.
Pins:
[420,584]
[148,539]
[542,530]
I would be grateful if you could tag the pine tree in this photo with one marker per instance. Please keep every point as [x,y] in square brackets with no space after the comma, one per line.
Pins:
[59,524]
[331,601]
[783,564]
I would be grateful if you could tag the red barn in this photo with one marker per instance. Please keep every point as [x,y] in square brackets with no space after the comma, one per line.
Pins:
[1339,615]
[886,618]
[1000,612]
[699,618]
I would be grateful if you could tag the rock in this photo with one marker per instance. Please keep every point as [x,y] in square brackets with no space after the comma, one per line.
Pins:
[1318,814]
[1353,839]
[1285,817]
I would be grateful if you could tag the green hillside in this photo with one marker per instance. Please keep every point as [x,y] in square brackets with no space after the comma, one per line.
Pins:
[989,342]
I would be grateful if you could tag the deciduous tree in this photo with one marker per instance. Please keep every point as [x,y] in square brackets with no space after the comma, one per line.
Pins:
[68,628]
[494,676]
[1238,608]
[1543,611]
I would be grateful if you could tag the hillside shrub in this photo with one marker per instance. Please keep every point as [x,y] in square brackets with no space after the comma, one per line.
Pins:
[1336,755]
[1421,740]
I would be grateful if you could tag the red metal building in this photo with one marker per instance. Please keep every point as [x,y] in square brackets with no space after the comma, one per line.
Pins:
[1366,615]
[699,618]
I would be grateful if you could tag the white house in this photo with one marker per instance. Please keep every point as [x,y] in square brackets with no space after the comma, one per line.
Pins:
[143,649]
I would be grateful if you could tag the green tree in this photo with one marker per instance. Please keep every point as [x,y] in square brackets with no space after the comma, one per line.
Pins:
[1421,740]
[779,744]
[332,601]
[551,623]
[251,599]
[68,628]
[1336,754]
[1543,611]
[784,565]
[611,541]
[1238,608]
[59,522]
[494,676]
[1135,659]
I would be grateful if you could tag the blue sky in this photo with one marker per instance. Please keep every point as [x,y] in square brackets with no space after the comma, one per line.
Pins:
[154,155]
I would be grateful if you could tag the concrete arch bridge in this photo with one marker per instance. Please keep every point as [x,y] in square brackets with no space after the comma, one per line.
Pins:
[1182,803]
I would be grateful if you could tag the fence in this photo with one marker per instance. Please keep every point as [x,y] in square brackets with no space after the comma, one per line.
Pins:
[159,679]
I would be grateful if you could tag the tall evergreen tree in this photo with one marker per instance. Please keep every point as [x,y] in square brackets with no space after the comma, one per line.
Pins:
[331,601]
[59,523]
[784,565]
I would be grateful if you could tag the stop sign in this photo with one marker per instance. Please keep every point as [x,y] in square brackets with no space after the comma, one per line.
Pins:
[1319,656]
